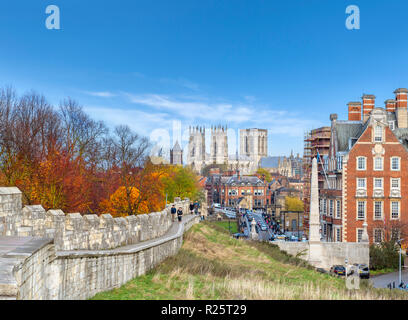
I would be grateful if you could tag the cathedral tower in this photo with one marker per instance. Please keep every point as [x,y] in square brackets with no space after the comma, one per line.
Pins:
[219,145]
[196,148]
[254,143]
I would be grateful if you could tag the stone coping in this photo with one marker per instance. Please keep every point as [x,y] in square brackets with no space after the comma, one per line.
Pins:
[13,251]
[21,247]
[175,231]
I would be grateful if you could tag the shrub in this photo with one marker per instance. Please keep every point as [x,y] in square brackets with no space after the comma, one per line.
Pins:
[384,255]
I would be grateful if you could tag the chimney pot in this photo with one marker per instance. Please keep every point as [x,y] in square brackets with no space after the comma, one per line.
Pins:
[401,107]
[368,105]
[354,111]
[390,105]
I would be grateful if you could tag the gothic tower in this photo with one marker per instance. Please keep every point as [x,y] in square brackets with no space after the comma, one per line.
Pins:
[254,143]
[196,148]
[219,145]
[176,154]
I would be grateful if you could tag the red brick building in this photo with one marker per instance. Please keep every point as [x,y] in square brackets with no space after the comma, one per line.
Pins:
[366,172]
[230,190]
[375,177]
[233,189]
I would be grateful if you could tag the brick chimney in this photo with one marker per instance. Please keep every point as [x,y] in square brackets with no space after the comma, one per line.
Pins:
[390,105]
[368,105]
[401,107]
[354,111]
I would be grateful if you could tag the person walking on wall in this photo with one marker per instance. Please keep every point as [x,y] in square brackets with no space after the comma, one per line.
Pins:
[191,207]
[173,212]
[179,214]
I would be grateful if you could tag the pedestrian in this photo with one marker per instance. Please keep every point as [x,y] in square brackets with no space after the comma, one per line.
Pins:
[191,207]
[173,211]
[179,214]
[196,208]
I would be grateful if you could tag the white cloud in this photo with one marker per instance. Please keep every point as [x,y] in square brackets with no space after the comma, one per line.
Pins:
[150,113]
[102,94]
[241,115]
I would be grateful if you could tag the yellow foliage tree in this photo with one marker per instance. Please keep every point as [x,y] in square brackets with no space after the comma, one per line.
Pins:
[293,204]
[264,173]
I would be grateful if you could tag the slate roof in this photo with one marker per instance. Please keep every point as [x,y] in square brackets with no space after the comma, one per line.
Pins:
[253,180]
[402,135]
[270,162]
[346,130]
[353,129]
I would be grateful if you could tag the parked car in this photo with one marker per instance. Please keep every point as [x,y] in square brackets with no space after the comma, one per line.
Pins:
[264,227]
[403,286]
[239,235]
[321,270]
[338,270]
[361,269]
[293,238]
[281,237]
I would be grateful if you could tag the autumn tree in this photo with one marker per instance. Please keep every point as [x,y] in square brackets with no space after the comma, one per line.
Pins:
[265,174]
[180,182]
[128,154]
[61,158]
[293,204]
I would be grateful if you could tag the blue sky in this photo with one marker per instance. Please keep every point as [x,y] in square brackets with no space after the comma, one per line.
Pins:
[280,65]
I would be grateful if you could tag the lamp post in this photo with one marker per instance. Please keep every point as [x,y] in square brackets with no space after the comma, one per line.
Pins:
[399,262]
[298,225]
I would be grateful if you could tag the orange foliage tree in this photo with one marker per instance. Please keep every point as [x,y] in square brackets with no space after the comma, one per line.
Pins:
[62,159]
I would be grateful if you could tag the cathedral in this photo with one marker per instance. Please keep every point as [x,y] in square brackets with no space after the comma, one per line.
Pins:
[253,146]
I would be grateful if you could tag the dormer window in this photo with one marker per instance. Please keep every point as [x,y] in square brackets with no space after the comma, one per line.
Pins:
[391,124]
[378,134]
[352,142]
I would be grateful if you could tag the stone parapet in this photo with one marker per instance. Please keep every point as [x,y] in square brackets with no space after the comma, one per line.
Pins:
[74,231]
[34,270]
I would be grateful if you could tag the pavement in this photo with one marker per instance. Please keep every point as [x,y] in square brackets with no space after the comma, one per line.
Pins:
[383,280]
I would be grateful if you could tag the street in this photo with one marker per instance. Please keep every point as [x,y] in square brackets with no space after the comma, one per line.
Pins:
[382,281]
[263,235]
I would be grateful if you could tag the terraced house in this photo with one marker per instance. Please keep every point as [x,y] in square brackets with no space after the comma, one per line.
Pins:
[366,172]
[234,189]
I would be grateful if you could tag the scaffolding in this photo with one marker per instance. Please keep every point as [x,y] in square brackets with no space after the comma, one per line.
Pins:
[316,141]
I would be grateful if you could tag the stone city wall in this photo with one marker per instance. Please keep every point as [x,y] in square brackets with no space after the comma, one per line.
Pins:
[74,231]
[71,256]
[80,274]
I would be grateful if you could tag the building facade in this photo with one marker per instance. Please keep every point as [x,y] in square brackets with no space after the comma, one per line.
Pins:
[365,173]
[232,191]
